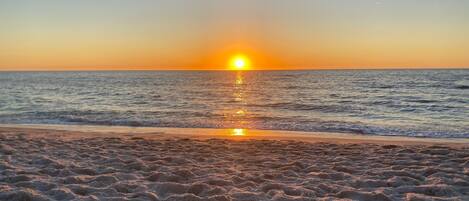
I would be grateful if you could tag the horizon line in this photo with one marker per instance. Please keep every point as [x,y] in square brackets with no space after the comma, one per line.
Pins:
[305,69]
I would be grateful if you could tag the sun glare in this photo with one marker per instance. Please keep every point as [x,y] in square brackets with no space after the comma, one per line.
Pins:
[239,62]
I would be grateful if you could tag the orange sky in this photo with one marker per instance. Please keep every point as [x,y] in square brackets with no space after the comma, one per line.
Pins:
[184,34]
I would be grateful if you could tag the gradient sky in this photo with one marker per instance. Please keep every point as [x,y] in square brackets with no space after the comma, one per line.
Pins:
[203,34]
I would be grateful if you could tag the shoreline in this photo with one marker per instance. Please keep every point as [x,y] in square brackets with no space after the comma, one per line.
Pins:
[205,133]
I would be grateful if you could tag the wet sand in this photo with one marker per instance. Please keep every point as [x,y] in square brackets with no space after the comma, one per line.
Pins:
[121,163]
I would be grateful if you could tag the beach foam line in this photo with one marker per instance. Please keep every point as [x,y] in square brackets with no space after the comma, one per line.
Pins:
[240,134]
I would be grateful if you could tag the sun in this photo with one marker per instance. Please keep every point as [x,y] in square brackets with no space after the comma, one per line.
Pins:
[239,62]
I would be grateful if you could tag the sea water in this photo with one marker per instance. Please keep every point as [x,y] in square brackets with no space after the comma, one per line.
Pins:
[430,103]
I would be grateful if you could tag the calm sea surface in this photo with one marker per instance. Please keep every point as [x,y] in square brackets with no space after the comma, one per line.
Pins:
[433,103]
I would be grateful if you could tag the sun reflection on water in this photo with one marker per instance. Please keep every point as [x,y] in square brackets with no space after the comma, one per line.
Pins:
[238,132]
[239,79]
[239,112]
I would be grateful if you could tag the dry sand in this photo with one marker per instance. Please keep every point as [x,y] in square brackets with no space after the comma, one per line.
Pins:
[88,163]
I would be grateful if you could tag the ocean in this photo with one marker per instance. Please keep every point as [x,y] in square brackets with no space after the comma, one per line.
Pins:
[425,103]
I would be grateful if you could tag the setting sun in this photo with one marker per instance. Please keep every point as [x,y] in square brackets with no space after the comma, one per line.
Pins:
[239,62]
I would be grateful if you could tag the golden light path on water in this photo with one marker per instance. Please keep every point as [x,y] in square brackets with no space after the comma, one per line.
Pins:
[238,132]
[240,112]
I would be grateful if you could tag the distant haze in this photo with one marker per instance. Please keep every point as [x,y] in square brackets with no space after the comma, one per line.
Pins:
[204,34]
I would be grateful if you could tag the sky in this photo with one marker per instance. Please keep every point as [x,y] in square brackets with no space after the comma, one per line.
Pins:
[205,34]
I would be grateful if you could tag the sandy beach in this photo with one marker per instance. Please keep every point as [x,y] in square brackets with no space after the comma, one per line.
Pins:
[109,163]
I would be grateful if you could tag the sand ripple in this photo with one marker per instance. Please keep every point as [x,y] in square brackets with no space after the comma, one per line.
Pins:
[134,168]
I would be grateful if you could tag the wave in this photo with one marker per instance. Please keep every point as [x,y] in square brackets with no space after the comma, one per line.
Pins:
[461,85]
[303,107]
[268,123]
[423,101]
